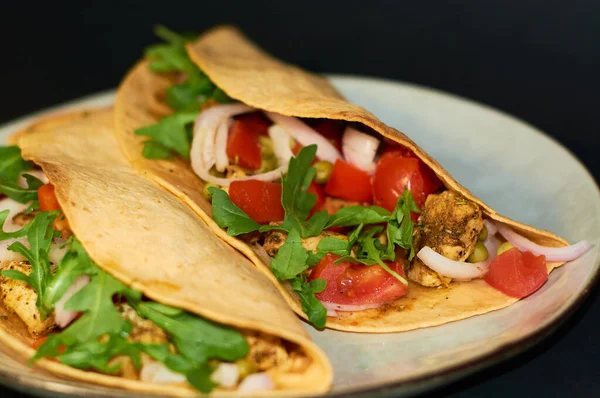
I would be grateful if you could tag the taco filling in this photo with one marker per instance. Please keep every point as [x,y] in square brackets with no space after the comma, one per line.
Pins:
[344,217]
[79,315]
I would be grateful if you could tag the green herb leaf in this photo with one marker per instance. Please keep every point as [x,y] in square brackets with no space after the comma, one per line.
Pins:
[185,96]
[228,215]
[15,234]
[327,245]
[39,233]
[154,150]
[400,225]
[291,259]
[312,307]
[11,163]
[196,338]
[171,57]
[356,215]
[22,195]
[171,133]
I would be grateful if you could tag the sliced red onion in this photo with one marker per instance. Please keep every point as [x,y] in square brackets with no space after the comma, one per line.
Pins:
[64,317]
[226,374]
[359,149]
[459,270]
[156,372]
[353,308]
[491,227]
[257,382]
[39,174]
[305,135]
[281,144]
[553,254]
[221,158]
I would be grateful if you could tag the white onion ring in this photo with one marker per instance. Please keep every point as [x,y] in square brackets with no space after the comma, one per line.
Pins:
[221,158]
[305,135]
[64,317]
[331,313]
[461,270]
[359,149]
[226,375]
[257,382]
[14,208]
[353,308]
[553,254]
[281,144]
[156,372]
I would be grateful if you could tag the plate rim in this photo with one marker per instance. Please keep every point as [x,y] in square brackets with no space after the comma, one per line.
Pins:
[422,382]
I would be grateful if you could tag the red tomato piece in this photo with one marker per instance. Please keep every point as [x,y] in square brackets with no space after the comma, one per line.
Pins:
[243,146]
[317,190]
[333,130]
[261,200]
[394,172]
[256,122]
[47,198]
[357,284]
[37,343]
[517,274]
[349,182]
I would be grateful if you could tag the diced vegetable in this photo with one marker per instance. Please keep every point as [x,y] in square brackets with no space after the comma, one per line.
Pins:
[350,183]
[517,274]
[261,200]
[243,146]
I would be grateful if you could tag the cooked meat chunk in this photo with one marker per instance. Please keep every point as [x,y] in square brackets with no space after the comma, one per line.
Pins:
[275,239]
[20,298]
[23,218]
[449,224]
[269,353]
[333,205]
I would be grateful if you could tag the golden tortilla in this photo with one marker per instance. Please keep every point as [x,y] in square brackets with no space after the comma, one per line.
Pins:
[153,242]
[249,75]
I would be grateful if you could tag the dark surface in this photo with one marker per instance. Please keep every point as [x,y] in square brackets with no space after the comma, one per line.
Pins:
[537,60]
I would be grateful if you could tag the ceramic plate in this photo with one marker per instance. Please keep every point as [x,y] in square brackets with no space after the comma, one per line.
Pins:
[513,167]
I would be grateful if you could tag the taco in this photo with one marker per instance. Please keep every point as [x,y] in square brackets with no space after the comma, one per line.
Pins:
[109,279]
[359,228]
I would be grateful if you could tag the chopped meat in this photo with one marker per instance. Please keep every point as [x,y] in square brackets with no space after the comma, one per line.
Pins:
[19,297]
[333,205]
[23,218]
[275,239]
[450,225]
[268,353]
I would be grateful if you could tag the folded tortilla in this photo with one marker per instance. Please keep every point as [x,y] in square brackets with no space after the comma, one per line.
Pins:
[249,75]
[157,245]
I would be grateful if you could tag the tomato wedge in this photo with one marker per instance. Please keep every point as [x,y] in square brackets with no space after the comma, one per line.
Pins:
[243,146]
[47,198]
[256,122]
[357,284]
[349,182]
[317,190]
[395,171]
[517,274]
[261,200]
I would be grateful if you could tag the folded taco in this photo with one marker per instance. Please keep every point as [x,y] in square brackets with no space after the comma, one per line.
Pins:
[359,228]
[109,279]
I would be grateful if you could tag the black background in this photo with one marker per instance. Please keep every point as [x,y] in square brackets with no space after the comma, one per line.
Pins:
[538,60]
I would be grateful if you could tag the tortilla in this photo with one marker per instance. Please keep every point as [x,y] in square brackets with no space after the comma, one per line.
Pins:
[155,244]
[253,77]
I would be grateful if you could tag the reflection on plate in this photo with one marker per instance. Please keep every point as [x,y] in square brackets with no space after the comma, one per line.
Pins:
[514,168]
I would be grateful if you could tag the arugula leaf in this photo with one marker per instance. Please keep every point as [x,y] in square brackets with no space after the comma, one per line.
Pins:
[400,225]
[11,235]
[185,96]
[11,163]
[16,192]
[312,307]
[291,258]
[154,150]
[356,215]
[171,133]
[228,215]
[196,338]
[76,262]
[171,57]
[327,245]
[39,234]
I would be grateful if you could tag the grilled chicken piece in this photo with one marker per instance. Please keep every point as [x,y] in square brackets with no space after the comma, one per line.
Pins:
[22,219]
[20,298]
[269,353]
[275,239]
[333,205]
[450,225]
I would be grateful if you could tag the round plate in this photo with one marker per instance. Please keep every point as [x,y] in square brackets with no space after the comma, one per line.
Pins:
[513,167]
